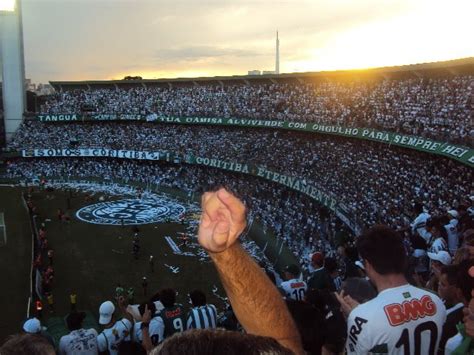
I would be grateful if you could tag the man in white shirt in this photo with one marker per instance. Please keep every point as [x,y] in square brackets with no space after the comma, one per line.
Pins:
[79,341]
[155,326]
[293,287]
[452,230]
[402,319]
[419,224]
[114,332]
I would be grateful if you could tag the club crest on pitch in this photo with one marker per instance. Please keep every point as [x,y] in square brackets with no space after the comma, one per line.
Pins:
[130,212]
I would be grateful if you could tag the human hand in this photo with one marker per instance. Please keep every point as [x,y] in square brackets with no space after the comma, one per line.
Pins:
[146,318]
[222,220]
[347,303]
[122,302]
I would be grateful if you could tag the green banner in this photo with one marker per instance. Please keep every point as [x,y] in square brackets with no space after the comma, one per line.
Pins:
[459,153]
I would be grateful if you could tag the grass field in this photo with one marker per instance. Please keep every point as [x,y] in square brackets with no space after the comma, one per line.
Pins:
[91,259]
[15,262]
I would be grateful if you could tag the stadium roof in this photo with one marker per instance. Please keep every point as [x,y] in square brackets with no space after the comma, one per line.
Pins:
[436,69]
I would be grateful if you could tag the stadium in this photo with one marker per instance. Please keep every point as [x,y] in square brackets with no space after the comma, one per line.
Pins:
[357,182]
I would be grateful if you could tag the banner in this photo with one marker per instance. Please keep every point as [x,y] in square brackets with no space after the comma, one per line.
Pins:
[98,153]
[292,182]
[459,153]
[94,117]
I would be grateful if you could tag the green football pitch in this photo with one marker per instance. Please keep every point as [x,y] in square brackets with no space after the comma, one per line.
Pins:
[15,261]
[92,257]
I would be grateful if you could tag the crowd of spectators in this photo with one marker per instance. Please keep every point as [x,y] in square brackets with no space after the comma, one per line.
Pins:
[389,180]
[428,200]
[436,108]
[313,319]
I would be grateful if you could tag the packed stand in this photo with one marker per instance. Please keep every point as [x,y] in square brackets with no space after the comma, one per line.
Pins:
[435,108]
[389,180]
[380,292]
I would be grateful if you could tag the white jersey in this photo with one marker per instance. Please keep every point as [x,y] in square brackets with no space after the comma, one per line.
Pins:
[438,245]
[203,317]
[400,320]
[453,235]
[135,312]
[294,289]
[111,338]
[79,342]
[419,226]
[155,329]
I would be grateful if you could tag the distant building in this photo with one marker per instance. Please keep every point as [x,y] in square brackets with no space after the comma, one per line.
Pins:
[44,89]
[277,62]
[277,56]
[29,86]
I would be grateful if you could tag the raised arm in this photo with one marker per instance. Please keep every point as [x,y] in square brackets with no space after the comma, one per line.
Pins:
[256,302]
[146,340]
[122,303]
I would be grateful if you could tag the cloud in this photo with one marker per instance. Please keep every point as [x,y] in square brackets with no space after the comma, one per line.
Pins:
[204,52]
[66,39]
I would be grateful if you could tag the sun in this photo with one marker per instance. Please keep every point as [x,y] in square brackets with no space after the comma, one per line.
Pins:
[7,5]
[431,32]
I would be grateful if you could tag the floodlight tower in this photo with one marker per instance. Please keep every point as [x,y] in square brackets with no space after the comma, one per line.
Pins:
[277,59]
[13,65]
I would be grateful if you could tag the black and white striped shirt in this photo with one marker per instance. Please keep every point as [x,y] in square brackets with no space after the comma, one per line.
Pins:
[202,317]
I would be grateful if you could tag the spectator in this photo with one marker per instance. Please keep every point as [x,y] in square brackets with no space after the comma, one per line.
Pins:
[451,293]
[452,231]
[202,315]
[418,226]
[212,342]
[27,344]
[320,279]
[114,331]
[293,288]
[349,258]
[332,268]
[367,331]
[460,343]
[153,324]
[435,227]
[172,314]
[438,260]
[33,326]
[79,340]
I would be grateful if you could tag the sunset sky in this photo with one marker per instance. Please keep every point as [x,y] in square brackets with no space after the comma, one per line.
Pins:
[108,39]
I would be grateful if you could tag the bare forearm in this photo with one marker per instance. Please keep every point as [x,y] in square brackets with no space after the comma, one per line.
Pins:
[146,340]
[255,300]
